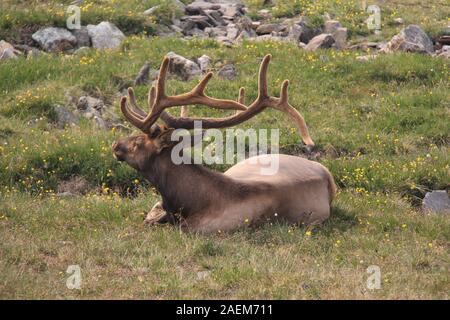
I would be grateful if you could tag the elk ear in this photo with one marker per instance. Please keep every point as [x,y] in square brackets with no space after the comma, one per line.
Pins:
[164,139]
[155,131]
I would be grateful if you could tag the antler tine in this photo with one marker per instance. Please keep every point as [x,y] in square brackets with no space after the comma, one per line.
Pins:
[200,87]
[283,105]
[151,96]
[131,116]
[241,98]
[161,82]
[184,111]
[262,78]
[136,110]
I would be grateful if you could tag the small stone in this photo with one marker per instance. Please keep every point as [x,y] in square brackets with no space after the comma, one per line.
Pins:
[105,35]
[88,104]
[268,28]
[204,62]
[322,41]
[142,77]
[399,21]
[340,38]
[182,67]
[64,117]
[227,72]
[436,201]
[331,26]
[202,275]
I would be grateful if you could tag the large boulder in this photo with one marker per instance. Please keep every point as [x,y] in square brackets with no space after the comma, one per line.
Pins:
[105,35]
[182,67]
[55,39]
[411,39]
[322,41]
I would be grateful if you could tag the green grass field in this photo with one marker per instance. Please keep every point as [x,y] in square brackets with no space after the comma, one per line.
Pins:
[381,127]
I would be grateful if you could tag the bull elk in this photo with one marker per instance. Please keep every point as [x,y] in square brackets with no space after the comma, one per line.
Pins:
[202,200]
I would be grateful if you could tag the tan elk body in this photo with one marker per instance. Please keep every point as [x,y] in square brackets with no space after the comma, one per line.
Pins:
[202,200]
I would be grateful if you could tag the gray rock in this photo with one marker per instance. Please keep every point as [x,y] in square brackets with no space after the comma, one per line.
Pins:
[182,67]
[216,32]
[331,26]
[322,41]
[82,36]
[204,62]
[200,21]
[232,31]
[7,51]
[225,41]
[196,32]
[88,104]
[55,39]
[436,201]
[227,72]
[268,28]
[142,77]
[232,11]
[198,5]
[340,38]
[444,52]
[411,39]
[105,35]
[301,32]
[64,117]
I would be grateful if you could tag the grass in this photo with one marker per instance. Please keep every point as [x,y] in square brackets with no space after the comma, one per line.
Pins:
[380,126]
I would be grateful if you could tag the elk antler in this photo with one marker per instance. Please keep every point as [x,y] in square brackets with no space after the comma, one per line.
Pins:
[262,101]
[159,101]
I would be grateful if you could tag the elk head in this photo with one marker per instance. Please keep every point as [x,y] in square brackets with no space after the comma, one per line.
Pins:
[138,151]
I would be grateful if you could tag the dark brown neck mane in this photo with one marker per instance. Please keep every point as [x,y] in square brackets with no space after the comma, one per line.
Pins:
[188,188]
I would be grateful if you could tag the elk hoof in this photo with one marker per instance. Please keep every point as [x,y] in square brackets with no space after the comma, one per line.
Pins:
[154,217]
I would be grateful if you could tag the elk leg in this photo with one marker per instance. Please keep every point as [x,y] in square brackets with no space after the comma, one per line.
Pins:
[157,215]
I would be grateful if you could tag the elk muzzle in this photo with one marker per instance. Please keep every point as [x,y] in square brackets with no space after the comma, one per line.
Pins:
[119,149]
